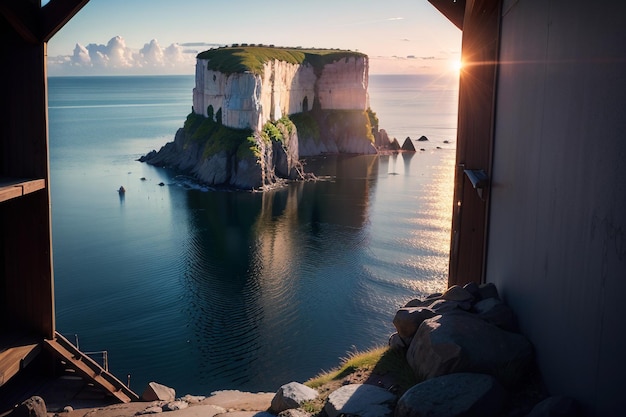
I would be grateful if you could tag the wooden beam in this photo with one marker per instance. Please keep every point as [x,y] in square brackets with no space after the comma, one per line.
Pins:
[454,10]
[57,13]
[23,17]
[36,24]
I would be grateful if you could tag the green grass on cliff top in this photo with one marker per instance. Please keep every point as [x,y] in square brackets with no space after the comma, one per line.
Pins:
[238,59]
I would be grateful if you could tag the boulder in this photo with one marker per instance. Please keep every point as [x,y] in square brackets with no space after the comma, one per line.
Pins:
[32,407]
[397,342]
[472,288]
[157,392]
[454,395]
[558,406]
[487,290]
[461,342]
[416,302]
[442,306]
[361,400]
[292,395]
[496,312]
[422,139]
[408,319]
[456,293]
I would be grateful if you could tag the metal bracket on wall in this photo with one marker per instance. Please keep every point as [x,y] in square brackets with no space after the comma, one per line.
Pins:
[479,180]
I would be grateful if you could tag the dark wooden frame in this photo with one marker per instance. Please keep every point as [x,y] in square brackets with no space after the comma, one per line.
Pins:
[481,32]
[26,273]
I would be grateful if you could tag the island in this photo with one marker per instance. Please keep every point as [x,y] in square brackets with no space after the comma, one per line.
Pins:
[257,110]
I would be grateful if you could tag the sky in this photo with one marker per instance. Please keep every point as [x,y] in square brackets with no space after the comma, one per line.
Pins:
[127,37]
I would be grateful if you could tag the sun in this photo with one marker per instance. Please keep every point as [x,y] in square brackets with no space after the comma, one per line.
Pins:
[456,65]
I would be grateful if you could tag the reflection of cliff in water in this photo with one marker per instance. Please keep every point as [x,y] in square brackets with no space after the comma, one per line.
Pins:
[255,263]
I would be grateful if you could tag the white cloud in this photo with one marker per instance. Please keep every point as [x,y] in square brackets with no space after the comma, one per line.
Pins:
[117,58]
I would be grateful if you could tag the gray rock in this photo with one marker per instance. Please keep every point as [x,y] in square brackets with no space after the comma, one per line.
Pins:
[408,319]
[461,342]
[496,312]
[462,394]
[456,293]
[214,169]
[361,400]
[397,342]
[488,290]
[416,302]
[292,395]
[442,306]
[558,406]
[472,288]
[157,392]
[175,406]
[422,139]
[32,407]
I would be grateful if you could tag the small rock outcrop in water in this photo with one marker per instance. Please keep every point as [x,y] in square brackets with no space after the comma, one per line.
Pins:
[408,146]
[253,119]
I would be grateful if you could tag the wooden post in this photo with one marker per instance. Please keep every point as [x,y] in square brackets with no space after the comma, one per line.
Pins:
[481,25]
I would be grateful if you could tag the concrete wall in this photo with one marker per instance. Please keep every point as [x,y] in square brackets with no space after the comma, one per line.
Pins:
[557,226]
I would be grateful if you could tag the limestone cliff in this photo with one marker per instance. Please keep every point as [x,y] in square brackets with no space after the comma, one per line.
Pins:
[251,99]
[242,92]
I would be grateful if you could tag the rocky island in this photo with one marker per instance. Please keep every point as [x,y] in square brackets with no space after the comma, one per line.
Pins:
[258,109]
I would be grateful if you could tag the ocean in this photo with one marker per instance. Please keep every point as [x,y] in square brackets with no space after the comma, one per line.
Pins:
[203,290]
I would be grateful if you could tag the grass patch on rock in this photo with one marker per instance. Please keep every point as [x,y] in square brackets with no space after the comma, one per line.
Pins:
[379,366]
[251,58]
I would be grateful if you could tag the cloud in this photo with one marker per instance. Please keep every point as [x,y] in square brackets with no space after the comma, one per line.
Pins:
[117,58]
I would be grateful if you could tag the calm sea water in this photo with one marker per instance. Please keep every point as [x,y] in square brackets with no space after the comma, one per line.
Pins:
[204,290]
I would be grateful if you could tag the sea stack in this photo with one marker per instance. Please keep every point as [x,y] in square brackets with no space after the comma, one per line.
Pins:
[257,110]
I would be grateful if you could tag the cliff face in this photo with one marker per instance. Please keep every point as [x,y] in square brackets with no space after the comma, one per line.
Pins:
[249,100]
[237,134]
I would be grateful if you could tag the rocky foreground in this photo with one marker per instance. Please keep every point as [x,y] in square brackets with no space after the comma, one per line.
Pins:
[463,345]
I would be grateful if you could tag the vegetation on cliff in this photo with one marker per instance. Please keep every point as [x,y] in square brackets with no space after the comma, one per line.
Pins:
[216,137]
[242,58]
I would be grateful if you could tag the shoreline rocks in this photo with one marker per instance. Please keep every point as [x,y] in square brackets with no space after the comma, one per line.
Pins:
[462,344]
